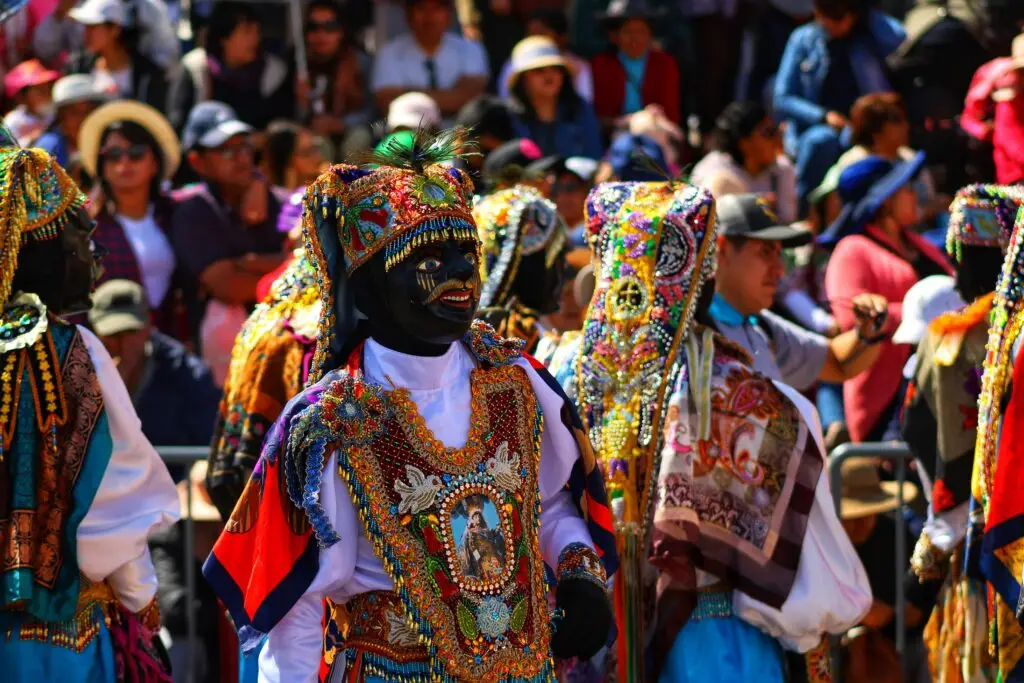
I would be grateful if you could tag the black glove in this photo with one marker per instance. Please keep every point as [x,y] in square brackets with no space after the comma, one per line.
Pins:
[586,622]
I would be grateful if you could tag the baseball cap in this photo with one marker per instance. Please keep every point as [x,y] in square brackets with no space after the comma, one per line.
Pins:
[522,153]
[94,12]
[78,88]
[923,303]
[211,124]
[750,216]
[413,110]
[118,306]
[487,115]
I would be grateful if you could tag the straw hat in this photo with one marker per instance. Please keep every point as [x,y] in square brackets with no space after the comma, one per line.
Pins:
[203,509]
[535,52]
[128,110]
[865,494]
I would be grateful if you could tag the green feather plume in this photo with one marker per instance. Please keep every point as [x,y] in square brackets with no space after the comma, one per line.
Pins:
[425,150]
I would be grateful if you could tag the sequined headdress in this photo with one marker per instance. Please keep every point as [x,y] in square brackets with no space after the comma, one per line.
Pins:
[656,246]
[404,198]
[36,200]
[514,223]
[982,216]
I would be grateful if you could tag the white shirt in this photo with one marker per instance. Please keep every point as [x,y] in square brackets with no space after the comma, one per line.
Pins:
[153,253]
[722,176]
[401,63]
[136,496]
[440,388]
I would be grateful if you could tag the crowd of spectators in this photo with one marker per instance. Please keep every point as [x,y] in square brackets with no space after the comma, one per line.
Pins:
[195,127]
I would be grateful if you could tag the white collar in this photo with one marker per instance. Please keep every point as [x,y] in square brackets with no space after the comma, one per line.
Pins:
[416,373]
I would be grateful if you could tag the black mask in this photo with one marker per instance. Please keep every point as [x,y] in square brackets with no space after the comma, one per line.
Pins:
[425,302]
[537,286]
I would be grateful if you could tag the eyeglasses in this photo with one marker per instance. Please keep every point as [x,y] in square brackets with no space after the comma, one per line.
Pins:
[314,26]
[134,153]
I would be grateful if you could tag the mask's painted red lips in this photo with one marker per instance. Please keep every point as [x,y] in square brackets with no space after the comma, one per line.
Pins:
[457,298]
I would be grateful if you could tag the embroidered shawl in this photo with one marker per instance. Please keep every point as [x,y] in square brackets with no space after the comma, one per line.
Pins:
[56,447]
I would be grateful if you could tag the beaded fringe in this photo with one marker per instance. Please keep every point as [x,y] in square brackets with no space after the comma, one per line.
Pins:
[75,634]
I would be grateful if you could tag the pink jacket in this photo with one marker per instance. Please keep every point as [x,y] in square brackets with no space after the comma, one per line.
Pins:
[861,265]
[1002,122]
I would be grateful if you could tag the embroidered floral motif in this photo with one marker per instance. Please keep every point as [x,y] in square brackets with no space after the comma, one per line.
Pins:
[22,322]
[488,347]
[353,411]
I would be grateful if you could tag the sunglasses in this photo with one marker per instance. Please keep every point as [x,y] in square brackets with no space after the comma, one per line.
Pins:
[314,26]
[134,153]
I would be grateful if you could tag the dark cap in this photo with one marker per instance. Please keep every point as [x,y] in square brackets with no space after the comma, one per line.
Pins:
[636,158]
[522,154]
[751,216]
[118,306]
[211,124]
[487,115]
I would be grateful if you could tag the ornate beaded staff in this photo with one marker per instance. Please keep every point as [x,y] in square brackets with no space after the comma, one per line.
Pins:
[656,246]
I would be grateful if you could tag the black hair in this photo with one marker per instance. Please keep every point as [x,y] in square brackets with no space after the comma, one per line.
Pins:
[487,115]
[339,15]
[979,271]
[837,9]
[224,19]
[42,271]
[136,135]
[737,122]
[282,141]
[554,19]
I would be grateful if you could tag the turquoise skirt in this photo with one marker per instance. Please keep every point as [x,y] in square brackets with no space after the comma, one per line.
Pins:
[716,646]
[54,656]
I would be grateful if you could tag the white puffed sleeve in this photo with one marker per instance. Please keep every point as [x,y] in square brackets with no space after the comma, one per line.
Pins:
[831,593]
[135,496]
[292,651]
[560,522]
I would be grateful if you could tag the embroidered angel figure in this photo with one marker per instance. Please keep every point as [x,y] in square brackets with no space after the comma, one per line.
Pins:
[419,494]
[504,468]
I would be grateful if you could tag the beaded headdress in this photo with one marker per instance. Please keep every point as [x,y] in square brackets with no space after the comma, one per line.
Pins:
[514,223]
[655,245]
[404,198]
[982,216]
[37,198]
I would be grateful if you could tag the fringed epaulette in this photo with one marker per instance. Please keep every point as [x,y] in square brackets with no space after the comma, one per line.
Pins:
[950,329]
[488,347]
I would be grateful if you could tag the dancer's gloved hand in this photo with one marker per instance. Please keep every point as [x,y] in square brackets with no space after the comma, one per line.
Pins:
[581,595]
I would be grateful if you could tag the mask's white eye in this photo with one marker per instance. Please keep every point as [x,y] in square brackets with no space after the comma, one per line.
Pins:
[429,265]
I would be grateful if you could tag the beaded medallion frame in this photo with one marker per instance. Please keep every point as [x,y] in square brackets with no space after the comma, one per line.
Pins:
[982,216]
[656,247]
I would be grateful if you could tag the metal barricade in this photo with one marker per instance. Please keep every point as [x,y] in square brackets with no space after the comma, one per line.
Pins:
[187,456]
[899,453]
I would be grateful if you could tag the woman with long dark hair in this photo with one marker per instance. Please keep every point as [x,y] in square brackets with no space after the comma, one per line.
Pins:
[545,105]
[292,157]
[130,149]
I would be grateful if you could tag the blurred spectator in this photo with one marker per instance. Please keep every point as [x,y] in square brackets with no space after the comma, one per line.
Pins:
[129,148]
[449,68]
[60,34]
[633,158]
[336,97]
[497,24]
[413,111]
[211,662]
[572,179]
[652,122]
[555,25]
[19,29]
[994,112]
[827,65]
[866,500]
[224,247]
[518,161]
[765,42]
[715,36]
[234,68]
[635,73]
[545,104]
[876,250]
[878,125]
[112,56]
[748,158]
[490,125]
[173,392]
[291,158]
[750,245]
[74,98]
[29,85]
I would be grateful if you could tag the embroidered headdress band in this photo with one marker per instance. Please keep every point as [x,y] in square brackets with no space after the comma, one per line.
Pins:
[982,216]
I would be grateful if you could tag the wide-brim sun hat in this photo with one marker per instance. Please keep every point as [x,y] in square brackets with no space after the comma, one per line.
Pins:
[128,110]
[535,52]
[863,492]
[864,186]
